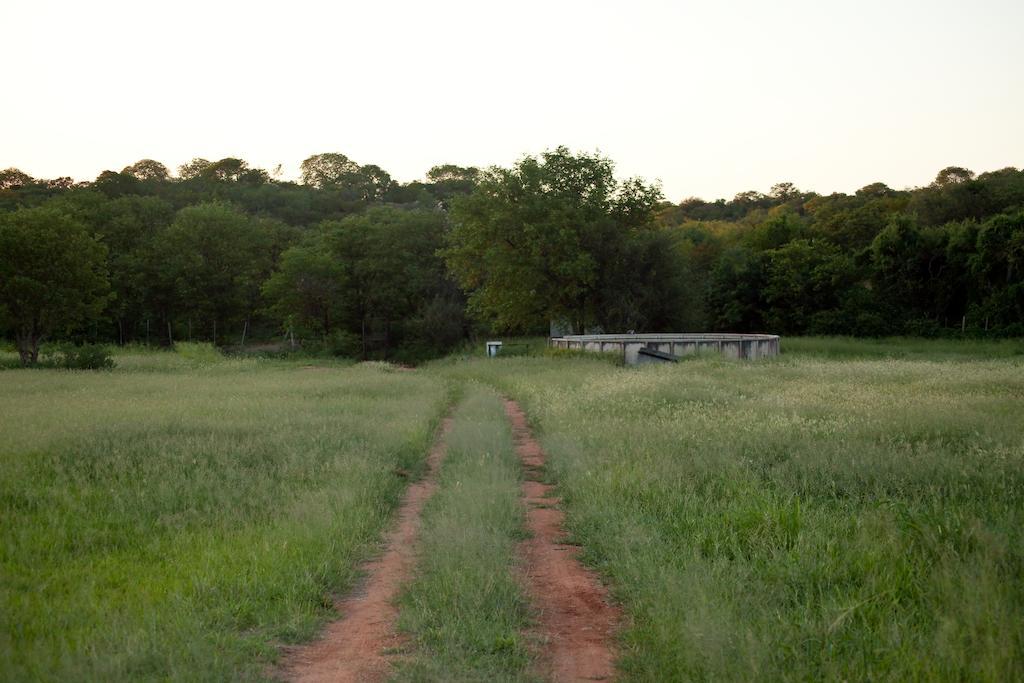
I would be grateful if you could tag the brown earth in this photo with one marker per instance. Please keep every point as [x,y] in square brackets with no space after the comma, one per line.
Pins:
[575,621]
[363,643]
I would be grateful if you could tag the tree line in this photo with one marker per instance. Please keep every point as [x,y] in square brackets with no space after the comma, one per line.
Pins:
[350,261]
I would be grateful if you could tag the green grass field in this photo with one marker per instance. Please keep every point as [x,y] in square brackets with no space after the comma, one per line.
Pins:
[800,519]
[176,518]
[851,510]
[465,610]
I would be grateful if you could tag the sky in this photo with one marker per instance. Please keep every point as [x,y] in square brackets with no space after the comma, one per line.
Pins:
[708,98]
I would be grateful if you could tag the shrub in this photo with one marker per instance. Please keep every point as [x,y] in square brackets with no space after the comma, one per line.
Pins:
[84,357]
[440,325]
[922,327]
[199,352]
[339,343]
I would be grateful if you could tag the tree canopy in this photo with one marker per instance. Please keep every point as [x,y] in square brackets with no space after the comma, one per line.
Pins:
[53,276]
[540,240]
[352,261]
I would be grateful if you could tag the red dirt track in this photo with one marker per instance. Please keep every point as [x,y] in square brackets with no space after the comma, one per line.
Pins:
[576,622]
[575,626]
[359,647]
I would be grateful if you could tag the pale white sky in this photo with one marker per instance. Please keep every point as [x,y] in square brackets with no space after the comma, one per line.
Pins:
[711,98]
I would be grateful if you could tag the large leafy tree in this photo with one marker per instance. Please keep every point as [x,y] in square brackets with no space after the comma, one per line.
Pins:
[326,170]
[535,242]
[390,268]
[335,171]
[208,264]
[305,292]
[226,170]
[12,178]
[736,290]
[147,169]
[999,264]
[805,285]
[449,180]
[128,227]
[375,276]
[53,276]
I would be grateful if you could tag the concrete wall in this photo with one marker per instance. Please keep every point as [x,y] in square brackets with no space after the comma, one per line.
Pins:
[736,346]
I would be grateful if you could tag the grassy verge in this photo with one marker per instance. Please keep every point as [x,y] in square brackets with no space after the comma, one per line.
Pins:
[842,348]
[174,518]
[465,609]
[804,519]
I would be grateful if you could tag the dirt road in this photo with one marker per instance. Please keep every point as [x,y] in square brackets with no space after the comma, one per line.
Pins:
[576,621]
[359,647]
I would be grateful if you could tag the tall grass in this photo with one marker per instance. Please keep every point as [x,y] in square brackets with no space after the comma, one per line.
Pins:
[465,610]
[851,511]
[171,520]
[802,519]
[899,347]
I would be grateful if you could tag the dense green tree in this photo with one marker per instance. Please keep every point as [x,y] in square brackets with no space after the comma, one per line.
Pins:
[147,169]
[328,170]
[234,170]
[651,287]
[390,268]
[114,184]
[775,232]
[52,277]
[12,179]
[370,183]
[999,263]
[805,286]
[896,257]
[336,172]
[875,191]
[784,191]
[447,181]
[305,292]
[128,227]
[953,175]
[554,237]
[852,227]
[533,242]
[736,291]
[208,262]
[374,277]
[194,168]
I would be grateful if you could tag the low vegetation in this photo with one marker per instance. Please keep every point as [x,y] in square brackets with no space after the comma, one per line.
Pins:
[465,610]
[176,518]
[847,511]
[799,519]
[850,348]
[351,263]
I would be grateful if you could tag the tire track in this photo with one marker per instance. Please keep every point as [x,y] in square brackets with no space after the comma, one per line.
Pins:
[575,621]
[362,644]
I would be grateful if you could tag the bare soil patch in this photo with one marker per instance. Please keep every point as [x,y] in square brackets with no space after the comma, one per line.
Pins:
[575,621]
[363,643]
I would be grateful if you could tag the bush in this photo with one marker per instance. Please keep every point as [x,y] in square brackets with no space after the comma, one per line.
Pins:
[922,327]
[84,357]
[338,344]
[198,352]
[440,325]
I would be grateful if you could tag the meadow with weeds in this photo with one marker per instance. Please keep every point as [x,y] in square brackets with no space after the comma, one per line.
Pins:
[180,516]
[848,511]
[806,518]
[964,349]
[465,611]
